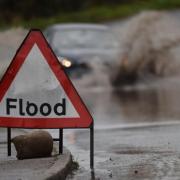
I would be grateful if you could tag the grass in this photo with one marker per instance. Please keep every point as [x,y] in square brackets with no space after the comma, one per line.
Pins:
[96,14]
[74,167]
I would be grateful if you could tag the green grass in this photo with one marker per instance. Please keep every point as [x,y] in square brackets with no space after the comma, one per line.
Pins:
[96,14]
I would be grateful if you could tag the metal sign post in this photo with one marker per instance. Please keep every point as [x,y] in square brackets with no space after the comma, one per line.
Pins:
[92,146]
[9,141]
[61,141]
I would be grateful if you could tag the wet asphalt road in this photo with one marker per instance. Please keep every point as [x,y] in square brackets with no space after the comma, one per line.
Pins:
[132,153]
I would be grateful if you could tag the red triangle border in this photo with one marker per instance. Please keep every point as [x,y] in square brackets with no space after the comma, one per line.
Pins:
[36,37]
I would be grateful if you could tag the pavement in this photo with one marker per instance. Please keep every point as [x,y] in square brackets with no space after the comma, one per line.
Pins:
[51,168]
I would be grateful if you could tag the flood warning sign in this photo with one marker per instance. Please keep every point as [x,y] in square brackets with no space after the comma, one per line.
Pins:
[35,92]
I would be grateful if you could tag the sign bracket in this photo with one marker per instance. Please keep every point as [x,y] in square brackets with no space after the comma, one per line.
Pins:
[60,139]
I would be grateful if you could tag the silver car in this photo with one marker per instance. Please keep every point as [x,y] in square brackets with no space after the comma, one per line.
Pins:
[78,46]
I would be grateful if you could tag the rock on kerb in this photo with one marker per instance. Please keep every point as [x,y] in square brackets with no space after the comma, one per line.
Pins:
[38,143]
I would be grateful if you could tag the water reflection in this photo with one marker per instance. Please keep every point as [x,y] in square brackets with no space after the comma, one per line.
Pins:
[136,105]
[93,175]
[148,105]
[114,108]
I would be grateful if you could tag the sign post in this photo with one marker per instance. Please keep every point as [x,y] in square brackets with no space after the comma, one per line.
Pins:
[35,92]
[60,141]
[9,141]
[92,146]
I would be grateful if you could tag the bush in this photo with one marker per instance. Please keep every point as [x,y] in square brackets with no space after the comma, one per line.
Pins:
[11,9]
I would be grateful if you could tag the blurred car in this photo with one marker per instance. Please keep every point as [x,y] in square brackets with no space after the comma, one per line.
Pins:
[78,46]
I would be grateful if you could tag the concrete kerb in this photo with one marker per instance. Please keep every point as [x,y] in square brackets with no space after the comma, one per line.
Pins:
[61,167]
[50,168]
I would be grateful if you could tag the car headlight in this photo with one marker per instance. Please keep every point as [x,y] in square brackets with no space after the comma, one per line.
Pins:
[66,63]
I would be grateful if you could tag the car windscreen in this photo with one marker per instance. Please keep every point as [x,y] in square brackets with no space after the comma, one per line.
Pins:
[83,38]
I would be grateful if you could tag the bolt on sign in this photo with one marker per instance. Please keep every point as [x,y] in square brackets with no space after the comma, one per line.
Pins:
[35,92]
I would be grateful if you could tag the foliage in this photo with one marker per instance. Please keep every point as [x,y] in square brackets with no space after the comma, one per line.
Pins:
[41,13]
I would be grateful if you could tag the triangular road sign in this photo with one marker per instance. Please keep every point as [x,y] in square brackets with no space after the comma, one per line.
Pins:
[35,92]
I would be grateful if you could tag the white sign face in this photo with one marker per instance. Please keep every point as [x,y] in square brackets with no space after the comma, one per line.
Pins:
[35,92]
